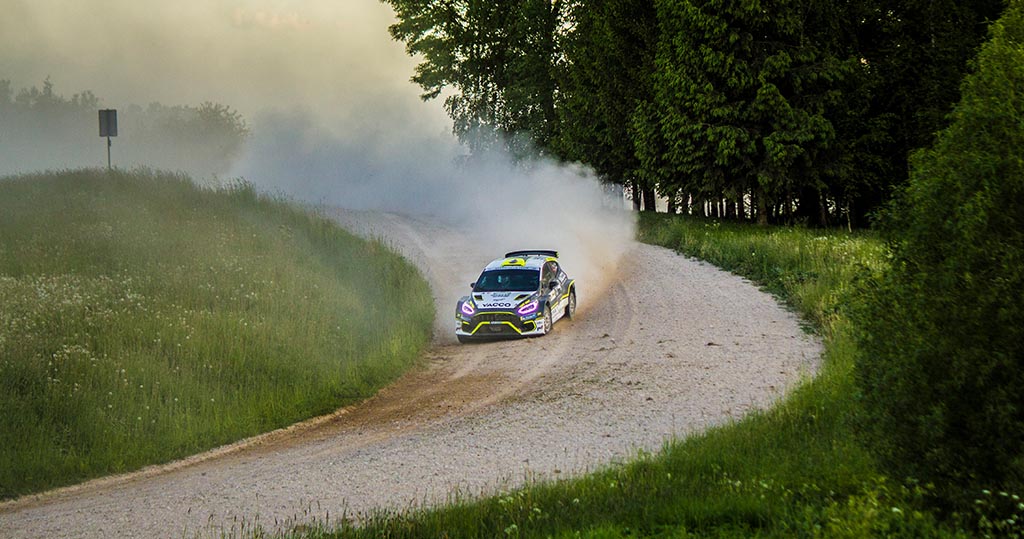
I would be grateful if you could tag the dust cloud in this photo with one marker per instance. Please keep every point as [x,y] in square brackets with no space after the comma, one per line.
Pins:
[333,117]
[498,203]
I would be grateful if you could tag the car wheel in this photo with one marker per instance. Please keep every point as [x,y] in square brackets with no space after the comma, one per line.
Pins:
[462,339]
[547,320]
[570,309]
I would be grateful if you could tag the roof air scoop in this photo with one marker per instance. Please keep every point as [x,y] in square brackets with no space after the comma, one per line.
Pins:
[536,252]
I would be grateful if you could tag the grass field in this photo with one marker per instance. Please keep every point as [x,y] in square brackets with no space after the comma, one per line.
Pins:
[796,470]
[143,319]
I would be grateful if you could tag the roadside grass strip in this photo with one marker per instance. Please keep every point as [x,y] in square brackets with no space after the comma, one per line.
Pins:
[795,470]
[144,319]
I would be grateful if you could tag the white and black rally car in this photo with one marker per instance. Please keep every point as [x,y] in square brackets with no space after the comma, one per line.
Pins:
[520,295]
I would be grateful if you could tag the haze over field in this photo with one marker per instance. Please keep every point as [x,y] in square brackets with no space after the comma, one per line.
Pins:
[332,56]
[334,118]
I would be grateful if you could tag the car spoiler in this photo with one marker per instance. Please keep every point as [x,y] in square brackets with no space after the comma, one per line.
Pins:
[541,252]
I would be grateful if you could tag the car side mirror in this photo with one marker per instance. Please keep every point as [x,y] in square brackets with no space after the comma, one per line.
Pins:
[552,285]
[472,286]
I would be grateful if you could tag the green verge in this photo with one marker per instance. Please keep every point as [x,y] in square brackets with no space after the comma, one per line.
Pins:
[145,319]
[796,470]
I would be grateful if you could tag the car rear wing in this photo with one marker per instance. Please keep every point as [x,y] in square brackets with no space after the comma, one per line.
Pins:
[539,252]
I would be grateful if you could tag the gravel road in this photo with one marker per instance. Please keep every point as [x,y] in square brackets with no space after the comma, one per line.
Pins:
[667,346]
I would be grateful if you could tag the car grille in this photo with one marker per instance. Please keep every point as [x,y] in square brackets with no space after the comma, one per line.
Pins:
[495,325]
[496,317]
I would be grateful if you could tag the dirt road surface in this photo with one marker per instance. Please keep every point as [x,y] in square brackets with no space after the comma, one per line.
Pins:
[666,347]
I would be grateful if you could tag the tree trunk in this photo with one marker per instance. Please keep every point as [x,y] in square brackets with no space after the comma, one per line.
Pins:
[823,218]
[635,187]
[762,208]
[650,199]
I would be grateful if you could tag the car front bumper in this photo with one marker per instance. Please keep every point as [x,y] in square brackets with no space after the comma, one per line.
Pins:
[497,325]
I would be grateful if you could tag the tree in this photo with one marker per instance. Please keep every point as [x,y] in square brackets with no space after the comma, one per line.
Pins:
[203,141]
[741,92]
[941,362]
[606,82]
[918,52]
[496,58]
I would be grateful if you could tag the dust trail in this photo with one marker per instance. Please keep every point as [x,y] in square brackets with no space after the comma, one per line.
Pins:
[498,203]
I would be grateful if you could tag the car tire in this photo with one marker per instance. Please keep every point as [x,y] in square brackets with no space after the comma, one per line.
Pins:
[570,309]
[462,339]
[547,320]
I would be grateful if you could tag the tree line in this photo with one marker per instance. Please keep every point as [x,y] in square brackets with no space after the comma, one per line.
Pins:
[42,129]
[783,111]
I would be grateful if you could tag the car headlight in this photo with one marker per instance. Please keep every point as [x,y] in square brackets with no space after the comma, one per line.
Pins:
[528,307]
[468,309]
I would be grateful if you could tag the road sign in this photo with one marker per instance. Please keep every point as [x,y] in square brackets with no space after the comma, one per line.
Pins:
[108,123]
[108,128]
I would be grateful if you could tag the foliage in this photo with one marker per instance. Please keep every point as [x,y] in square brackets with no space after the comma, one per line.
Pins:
[41,129]
[741,93]
[917,52]
[781,112]
[942,335]
[498,57]
[145,319]
[606,82]
[204,140]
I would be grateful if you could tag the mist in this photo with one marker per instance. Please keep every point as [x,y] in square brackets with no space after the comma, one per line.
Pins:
[332,115]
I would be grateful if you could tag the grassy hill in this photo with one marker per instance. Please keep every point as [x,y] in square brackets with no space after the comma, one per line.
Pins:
[144,319]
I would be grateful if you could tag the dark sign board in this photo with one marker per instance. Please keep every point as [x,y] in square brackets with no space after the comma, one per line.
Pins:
[108,123]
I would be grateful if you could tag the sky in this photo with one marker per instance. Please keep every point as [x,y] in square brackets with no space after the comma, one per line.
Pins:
[333,58]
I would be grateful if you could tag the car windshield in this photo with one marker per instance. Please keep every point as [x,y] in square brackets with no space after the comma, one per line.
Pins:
[518,280]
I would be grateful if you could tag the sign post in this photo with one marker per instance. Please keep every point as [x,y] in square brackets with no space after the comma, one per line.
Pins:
[108,128]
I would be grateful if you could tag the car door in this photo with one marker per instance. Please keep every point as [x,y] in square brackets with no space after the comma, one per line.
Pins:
[550,274]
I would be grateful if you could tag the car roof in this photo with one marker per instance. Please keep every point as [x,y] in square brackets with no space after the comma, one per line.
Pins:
[524,261]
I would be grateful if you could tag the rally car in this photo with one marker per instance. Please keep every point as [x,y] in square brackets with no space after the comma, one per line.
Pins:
[520,295]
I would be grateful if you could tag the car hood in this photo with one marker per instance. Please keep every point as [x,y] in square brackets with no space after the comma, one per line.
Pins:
[500,300]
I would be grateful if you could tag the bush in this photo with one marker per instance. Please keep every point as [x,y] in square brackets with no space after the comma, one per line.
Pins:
[940,367]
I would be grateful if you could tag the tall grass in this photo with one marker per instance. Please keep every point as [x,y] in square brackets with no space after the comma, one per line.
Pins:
[143,318]
[812,270]
[796,470]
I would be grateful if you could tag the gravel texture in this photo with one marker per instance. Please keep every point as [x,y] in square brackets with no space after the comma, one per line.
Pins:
[667,347]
